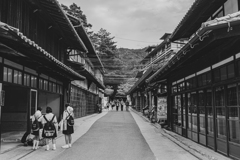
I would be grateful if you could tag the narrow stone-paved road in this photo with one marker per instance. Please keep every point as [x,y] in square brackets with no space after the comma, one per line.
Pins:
[115,136]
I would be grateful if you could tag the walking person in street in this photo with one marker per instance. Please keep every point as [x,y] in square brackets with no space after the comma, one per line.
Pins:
[36,127]
[50,127]
[122,104]
[117,105]
[68,126]
[127,105]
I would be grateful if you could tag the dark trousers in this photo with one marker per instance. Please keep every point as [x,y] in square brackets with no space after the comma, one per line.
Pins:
[117,108]
[121,107]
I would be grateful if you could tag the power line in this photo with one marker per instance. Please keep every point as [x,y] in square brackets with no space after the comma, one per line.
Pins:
[134,40]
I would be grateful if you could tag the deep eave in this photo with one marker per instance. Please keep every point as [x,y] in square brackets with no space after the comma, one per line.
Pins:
[52,11]
[199,12]
[92,54]
[14,39]
[215,32]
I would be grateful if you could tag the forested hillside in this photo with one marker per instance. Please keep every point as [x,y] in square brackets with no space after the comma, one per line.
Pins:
[130,59]
[116,61]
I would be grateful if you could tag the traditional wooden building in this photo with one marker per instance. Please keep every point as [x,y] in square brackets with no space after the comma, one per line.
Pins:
[43,62]
[203,97]
[143,94]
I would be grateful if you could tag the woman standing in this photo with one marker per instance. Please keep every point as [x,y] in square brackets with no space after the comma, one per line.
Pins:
[67,115]
[50,126]
[36,126]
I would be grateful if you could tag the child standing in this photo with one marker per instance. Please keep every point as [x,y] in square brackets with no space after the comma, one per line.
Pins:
[36,126]
[67,114]
[50,127]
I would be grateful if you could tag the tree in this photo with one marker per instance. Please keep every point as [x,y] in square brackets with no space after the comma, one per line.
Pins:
[76,11]
[107,49]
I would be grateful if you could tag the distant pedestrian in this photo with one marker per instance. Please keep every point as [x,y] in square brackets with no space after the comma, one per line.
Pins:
[122,104]
[127,105]
[68,128]
[36,127]
[117,105]
[50,127]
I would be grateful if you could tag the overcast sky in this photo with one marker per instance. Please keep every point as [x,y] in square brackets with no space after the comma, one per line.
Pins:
[134,23]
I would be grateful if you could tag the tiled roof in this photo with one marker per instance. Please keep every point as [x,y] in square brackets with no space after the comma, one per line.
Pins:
[207,27]
[16,33]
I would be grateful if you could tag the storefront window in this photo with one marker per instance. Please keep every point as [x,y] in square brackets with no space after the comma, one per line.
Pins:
[234,124]
[9,77]
[179,111]
[219,96]
[194,83]
[26,79]
[175,110]
[40,84]
[223,72]
[204,79]
[201,109]
[209,112]
[174,89]
[231,95]
[221,125]
[216,75]
[54,87]
[19,77]
[220,112]
[45,85]
[230,70]
[15,77]
[192,111]
[50,87]
[184,111]
[189,111]
[209,78]
[233,120]
[200,80]
[33,81]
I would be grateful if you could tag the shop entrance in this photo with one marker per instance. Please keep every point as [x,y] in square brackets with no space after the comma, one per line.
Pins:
[15,116]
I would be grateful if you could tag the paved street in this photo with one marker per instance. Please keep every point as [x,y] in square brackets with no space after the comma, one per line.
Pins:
[117,136]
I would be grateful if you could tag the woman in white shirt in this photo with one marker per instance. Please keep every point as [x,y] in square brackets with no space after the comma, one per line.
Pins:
[69,128]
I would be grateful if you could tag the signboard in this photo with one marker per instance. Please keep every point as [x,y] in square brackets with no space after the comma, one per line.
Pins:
[162,108]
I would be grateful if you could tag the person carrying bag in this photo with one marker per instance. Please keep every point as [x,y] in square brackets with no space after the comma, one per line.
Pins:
[67,125]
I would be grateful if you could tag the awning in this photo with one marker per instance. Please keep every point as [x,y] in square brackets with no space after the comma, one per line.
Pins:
[229,23]
[14,39]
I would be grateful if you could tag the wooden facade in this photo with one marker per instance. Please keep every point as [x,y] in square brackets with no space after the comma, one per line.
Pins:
[203,77]
[35,38]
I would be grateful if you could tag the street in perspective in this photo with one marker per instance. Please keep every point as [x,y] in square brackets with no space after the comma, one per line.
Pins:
[116,135]
[120,79]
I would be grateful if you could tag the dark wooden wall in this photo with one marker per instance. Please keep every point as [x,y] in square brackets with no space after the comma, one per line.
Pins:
[33,24]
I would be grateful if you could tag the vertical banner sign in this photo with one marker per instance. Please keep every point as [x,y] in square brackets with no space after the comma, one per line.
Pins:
[162,108]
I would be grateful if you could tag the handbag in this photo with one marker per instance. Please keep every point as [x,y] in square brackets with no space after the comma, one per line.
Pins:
[64,125]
